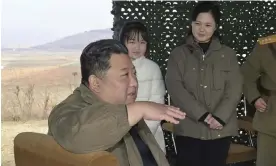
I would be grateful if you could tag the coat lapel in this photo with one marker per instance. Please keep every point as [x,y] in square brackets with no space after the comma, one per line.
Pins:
[133,152]
[149,139]
[134,157]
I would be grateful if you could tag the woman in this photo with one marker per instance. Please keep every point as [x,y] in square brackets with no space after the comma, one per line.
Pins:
[203,79]
[134,35]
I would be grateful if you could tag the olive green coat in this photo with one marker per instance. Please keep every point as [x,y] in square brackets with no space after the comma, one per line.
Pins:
[262,63]
[82,123]
[199,84]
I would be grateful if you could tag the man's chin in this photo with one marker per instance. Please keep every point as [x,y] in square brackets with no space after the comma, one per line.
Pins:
[130,100]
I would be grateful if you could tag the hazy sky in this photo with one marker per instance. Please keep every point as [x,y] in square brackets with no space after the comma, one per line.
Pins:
[32,22]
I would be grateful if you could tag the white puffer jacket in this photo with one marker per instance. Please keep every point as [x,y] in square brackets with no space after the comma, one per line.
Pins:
[151,88]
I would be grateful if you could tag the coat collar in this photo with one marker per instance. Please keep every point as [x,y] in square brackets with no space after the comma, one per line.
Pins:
[139,61]
[87,95]
[215,43]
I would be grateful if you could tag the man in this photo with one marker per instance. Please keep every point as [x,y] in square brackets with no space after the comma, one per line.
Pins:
[259,72]
[101,113]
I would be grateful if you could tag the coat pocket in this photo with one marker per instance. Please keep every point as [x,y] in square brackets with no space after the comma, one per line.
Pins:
[219,74]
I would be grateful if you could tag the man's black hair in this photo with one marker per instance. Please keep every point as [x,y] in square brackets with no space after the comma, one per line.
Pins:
[95,57]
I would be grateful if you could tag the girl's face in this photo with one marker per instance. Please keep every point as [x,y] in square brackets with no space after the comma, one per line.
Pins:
[203,27]
[136,45]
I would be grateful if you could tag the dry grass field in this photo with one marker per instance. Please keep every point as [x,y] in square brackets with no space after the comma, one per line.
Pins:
[32,84]
[10,130]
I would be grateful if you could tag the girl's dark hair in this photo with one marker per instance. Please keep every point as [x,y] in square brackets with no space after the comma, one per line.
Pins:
[207,7]
[131,29]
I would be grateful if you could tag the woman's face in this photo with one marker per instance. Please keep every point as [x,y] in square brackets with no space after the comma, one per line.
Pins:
[203,27]
[136,46]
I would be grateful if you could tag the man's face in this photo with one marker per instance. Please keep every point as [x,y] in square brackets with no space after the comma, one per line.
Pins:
[119,85]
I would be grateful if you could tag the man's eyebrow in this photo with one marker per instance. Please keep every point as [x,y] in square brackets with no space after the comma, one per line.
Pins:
[124,69]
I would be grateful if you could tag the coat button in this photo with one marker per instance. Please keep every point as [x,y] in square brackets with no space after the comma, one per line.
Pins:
[205,86]
[219,135]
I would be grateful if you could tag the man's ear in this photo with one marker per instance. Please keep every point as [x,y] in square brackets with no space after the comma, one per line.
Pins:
[216,27]
[94,83]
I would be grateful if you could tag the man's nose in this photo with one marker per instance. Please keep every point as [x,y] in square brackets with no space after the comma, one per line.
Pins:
[133,81]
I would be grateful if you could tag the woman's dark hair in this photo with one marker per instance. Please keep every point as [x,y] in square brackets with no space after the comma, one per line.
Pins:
[131,29]
[207,7]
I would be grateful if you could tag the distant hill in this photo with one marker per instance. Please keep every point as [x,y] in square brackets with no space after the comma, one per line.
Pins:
[77,41]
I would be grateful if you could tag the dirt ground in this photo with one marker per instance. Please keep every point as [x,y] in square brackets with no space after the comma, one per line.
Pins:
[10,130]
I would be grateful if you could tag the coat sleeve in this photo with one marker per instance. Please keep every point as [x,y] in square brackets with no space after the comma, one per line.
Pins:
[232,92]
[251,71]
[179,94]
[157,85]
[89,129]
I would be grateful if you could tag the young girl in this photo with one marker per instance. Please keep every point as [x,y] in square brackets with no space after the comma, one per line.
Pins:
[134,36]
